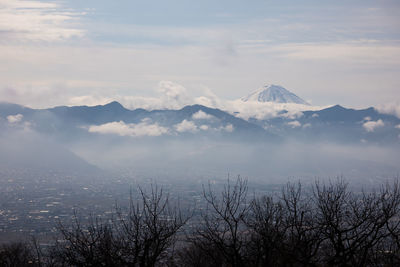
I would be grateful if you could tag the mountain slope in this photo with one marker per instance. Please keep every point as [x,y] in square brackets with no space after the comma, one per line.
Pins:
[20,150]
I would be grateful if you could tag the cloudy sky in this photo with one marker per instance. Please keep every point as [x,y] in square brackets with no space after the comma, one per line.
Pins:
[156,52]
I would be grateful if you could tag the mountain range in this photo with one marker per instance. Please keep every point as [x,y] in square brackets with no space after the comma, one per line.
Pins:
[335,123]
[201,137]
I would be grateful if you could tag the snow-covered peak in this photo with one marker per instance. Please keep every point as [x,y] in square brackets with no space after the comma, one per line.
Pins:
[274,93]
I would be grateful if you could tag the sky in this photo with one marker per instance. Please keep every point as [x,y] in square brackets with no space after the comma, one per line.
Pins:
[159,53]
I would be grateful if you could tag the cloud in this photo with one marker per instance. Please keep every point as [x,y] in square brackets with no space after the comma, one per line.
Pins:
[397,126]
[144,128]
[170,95]
[88,100]
[307,125]
[370,126]
[201,115]
[389,108]
[36,20]
[204,127]
[148,103]
[351,51]
[368,118]
[186,126]
[294,124]
[267,110]
[129,69]
[228,128]
[15,118]
[173,95]
[208,99]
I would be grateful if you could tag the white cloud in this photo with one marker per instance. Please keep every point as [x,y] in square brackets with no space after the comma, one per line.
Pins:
[389,108]
[315,115]
[397,126]
[148,103]
[229,128]
[186,126]
[367,118]
[266,110]
[204,127]
[294,124]
[370,126]
[173,95]
[170,95]
[209,99]
[36,20]
[307,125]
[144,128]
[88,100]
[15,118]
[201,115]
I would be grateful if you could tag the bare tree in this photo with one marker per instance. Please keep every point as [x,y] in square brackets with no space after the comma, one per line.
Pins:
[149,229]
[284,229]
[91,244]
[140,237]
[221,234]
[327,225]
[355,226]
[302,235]
[267,226]
[17,254]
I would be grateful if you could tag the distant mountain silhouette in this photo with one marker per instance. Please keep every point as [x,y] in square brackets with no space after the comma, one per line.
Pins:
[335,123]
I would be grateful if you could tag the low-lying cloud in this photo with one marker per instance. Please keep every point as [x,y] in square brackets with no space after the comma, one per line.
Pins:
[390,108]
[15,118]
[201,115]
[147,128]
[370,126]
[186,126]
[144,128]
[294,124]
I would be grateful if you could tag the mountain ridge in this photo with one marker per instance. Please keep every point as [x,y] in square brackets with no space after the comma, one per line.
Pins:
[333,123]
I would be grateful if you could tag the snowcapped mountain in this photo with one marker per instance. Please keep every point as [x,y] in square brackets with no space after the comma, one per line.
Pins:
[274,93]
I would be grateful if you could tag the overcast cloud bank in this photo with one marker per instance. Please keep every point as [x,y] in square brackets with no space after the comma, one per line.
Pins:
[37,21]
